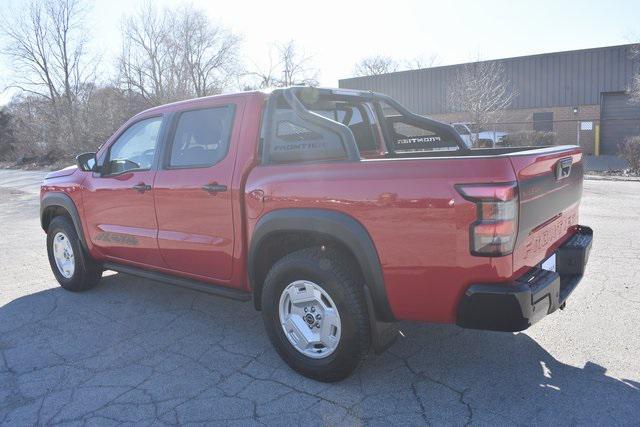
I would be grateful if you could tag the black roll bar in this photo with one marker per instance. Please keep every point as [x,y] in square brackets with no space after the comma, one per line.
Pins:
[291,97]
[433,124]
[343,131]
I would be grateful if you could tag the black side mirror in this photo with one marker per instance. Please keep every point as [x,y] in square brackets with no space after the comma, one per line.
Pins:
[87,162]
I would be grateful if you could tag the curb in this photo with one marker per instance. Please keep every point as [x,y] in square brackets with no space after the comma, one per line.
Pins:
[611,178]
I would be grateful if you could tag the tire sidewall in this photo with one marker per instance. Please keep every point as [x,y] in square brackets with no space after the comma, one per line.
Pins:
[347,353]
[61,225]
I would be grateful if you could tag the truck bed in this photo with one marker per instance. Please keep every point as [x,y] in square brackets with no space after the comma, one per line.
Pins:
[420,223]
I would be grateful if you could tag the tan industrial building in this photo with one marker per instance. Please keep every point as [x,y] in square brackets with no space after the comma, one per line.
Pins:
[580,96]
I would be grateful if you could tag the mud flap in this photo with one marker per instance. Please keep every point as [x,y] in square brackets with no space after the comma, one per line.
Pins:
[383,334]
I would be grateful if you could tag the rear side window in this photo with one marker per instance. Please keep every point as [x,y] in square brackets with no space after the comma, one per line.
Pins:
[201,138]
[296,141]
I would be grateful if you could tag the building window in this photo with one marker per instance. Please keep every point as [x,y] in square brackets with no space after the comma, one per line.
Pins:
[543,122]
[586,125]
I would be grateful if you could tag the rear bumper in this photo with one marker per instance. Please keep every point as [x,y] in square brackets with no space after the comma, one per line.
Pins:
[516,306]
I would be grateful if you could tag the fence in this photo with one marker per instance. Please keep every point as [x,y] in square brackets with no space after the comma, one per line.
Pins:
[594,136]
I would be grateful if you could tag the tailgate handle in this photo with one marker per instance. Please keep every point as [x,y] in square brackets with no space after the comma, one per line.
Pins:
[563,168]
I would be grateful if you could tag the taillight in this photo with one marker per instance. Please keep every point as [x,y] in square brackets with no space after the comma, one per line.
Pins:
[494,233]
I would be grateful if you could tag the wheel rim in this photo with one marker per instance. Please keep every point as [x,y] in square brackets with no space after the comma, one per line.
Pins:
[310,319]
[63,255]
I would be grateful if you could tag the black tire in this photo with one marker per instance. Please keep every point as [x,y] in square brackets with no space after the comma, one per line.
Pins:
[327,269]
[87,272]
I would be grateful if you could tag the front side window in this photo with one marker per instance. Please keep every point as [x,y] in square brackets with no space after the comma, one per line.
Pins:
[202,137]
[135,149]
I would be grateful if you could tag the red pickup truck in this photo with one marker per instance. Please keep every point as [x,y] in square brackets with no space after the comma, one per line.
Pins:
[338,212]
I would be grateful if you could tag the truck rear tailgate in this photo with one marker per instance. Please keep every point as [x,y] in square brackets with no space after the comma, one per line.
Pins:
[550,188]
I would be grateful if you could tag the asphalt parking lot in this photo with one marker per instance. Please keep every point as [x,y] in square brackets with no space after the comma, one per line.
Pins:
[135,351]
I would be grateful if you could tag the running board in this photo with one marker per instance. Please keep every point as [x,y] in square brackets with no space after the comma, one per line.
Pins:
[195,285]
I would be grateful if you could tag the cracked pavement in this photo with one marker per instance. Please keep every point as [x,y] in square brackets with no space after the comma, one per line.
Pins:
[134,351]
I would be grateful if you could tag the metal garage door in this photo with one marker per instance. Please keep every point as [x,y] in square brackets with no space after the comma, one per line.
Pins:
[620,119]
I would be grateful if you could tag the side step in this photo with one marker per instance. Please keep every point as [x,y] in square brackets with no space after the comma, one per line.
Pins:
[195,285]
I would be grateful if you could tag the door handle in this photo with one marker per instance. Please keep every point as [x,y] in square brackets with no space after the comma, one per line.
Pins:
[214,188]
[142,187]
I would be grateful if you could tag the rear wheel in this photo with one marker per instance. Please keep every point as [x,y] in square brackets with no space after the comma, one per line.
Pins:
[315,314]
[71,265]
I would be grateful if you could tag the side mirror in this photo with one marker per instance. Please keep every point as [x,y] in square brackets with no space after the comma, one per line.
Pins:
[86,162]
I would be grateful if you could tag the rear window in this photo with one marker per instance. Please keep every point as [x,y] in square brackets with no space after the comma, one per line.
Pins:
[359,119]
[291,132]
[294,139]
[298,141]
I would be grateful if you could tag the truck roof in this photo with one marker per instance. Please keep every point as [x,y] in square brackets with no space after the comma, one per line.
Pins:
[260,93]
[188,103]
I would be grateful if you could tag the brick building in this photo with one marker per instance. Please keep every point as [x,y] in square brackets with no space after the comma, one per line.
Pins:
[578,95]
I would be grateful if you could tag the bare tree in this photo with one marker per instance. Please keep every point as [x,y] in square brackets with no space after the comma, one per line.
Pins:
[46,46]
[175,54]
[635,89]
[481,90]
[635,84]
[263,77]
[288,67]
[422,61]
[147,64]
[27,46]
[7,138]
[296,68]
[375,65]
[209,53]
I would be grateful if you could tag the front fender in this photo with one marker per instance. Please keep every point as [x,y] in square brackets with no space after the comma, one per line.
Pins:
[63,201]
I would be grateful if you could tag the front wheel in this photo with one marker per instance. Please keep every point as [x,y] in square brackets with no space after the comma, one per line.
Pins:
[71,265]
[315,314]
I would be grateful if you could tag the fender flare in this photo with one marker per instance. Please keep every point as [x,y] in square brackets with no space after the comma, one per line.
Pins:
[338,226]
[62,200]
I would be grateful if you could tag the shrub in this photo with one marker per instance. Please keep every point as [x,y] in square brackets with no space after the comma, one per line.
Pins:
[630,151]
[528,138]
[33,131]
[7,140]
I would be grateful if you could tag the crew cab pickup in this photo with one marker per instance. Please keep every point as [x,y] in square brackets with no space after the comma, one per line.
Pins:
[338,212]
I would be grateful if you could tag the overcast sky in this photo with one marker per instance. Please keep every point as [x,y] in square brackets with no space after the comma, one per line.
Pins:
[338,33]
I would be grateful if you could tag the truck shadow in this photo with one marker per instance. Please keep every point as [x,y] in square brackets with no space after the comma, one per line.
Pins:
[133,350]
